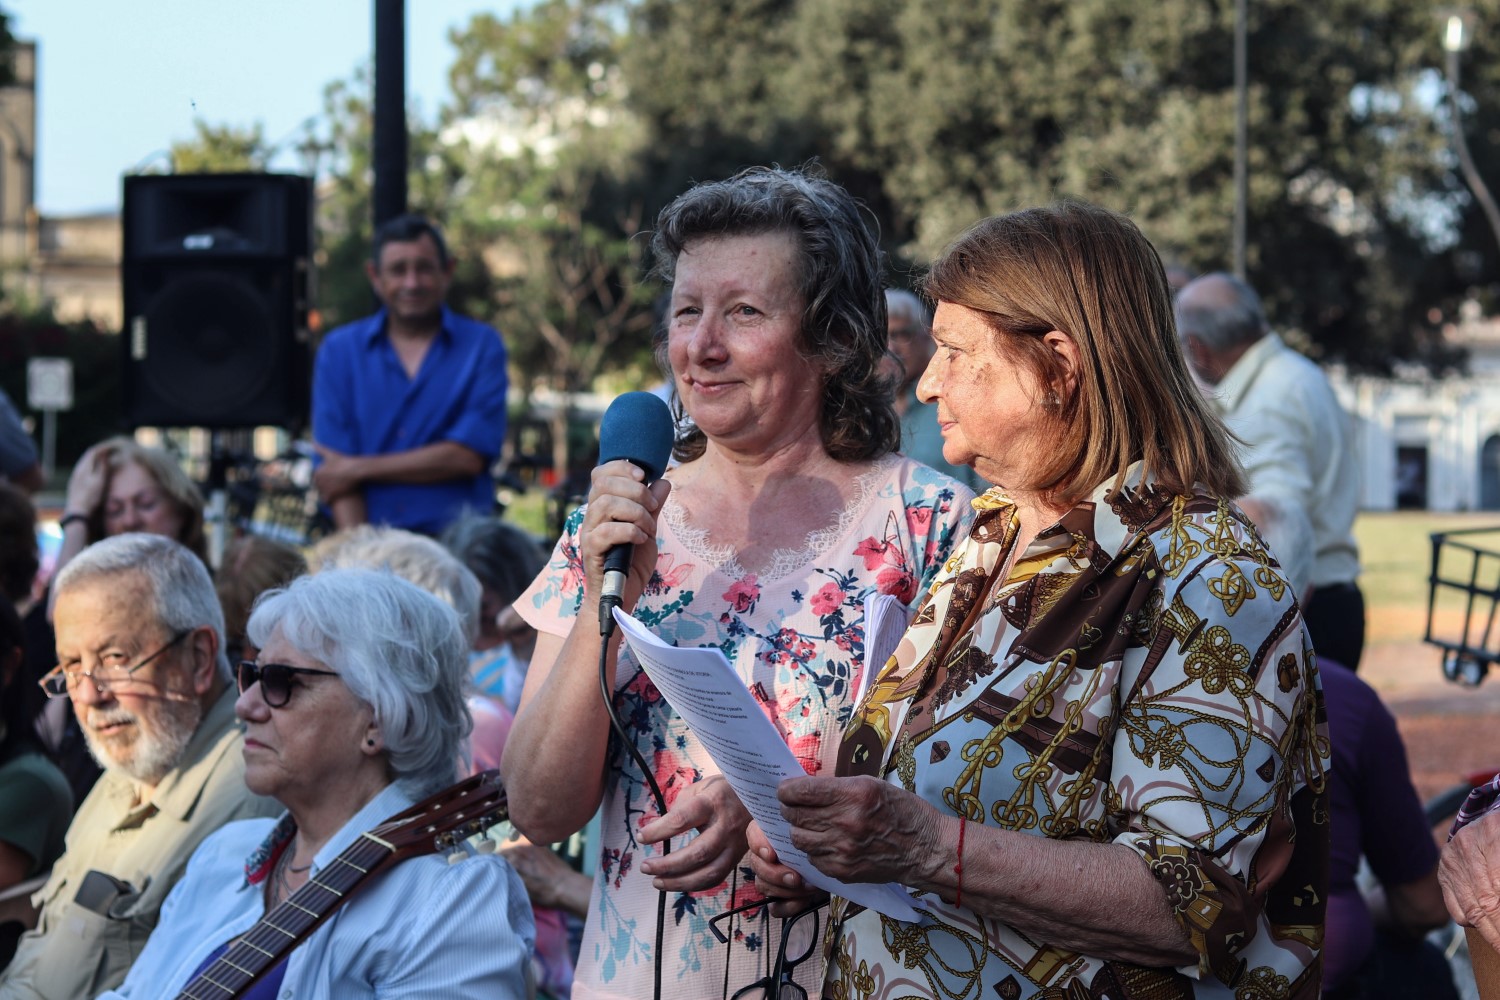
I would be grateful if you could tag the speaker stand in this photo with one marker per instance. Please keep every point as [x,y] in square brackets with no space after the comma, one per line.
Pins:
[217,514]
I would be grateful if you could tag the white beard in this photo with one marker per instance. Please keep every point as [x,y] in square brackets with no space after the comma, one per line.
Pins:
[163,731]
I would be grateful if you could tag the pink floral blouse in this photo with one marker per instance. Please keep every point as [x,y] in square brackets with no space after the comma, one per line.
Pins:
[796,634]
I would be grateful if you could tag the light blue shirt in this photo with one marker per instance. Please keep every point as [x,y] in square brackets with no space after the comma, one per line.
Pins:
[423,928]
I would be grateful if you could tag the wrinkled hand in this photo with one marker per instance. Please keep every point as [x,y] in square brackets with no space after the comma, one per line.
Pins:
[337,475]
[621,510]
[549,881]
[711,807]
[862,829]
[1470,875]
[87,481]
[789,892]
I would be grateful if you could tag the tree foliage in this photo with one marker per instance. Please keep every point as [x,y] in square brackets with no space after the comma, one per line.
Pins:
[953,111]
[221,149]
[571,122]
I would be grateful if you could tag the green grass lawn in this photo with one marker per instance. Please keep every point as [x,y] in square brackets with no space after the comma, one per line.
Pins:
[1396,554]
[529,510]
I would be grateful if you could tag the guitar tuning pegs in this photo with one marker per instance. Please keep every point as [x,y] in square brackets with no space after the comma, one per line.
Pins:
[486,846]
[456,857]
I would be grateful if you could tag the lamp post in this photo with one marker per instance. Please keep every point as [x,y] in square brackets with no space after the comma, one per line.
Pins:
[389,196]
[1458,34]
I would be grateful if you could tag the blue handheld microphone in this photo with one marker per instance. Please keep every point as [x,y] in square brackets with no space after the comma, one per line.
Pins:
[637,427]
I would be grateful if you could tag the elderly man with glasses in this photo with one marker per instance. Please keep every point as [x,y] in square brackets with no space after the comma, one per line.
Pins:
[140,654]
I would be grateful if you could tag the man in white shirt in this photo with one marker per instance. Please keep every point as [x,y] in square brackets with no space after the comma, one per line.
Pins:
[1296,439]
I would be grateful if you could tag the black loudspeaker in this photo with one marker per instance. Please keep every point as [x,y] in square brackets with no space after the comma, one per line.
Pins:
[217,280]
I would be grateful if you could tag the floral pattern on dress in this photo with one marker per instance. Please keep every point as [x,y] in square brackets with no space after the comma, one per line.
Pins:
[795,633]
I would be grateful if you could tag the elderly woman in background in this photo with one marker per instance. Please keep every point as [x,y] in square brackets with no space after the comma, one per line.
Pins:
[505,559]
[353,711]
[422,561]
[119,486]
[1096,756]
[788,509]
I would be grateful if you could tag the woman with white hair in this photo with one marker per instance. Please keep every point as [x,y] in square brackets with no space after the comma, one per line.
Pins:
[353,711]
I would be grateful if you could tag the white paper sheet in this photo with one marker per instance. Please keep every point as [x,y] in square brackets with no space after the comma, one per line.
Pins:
[886,619]
[704,689]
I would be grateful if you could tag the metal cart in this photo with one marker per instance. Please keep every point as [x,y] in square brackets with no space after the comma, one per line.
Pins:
[1463,591]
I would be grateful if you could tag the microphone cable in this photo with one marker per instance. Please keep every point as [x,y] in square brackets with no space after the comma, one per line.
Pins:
[638,427]
[606,689]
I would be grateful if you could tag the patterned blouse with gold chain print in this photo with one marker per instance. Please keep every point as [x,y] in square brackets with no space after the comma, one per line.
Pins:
[1141,676]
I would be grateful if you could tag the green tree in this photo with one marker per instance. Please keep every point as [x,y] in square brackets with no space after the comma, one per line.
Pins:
[529,168]
[222,149]
[545,150]
[939,114]
[1471,266]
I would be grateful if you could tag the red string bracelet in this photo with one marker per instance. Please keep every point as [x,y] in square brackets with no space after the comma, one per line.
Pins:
[958,869]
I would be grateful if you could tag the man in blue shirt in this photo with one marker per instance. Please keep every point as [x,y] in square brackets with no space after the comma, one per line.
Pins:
[408,404]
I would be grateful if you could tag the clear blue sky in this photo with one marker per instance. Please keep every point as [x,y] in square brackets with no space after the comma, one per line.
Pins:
[121,80]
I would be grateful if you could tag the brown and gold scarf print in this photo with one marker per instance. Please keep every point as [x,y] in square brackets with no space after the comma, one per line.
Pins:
[1085,592]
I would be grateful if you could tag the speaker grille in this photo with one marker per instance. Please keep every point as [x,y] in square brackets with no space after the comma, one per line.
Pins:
[217,282]
[211,344]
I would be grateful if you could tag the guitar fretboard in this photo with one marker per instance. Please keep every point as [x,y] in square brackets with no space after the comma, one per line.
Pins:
[255,952]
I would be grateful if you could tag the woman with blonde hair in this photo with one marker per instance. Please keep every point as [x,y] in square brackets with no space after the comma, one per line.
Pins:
[1097,756]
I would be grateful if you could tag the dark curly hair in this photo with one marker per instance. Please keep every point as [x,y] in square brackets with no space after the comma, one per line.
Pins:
[840,279]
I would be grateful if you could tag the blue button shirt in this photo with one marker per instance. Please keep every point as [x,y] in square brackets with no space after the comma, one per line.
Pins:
[364,403]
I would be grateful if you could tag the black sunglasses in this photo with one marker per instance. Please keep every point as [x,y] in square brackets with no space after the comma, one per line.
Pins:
[275,679]
[779,984]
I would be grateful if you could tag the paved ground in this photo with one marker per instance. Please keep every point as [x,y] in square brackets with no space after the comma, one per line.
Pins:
[1449,730]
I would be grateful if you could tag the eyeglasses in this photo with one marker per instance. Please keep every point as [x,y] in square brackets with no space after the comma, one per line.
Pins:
[275,679]
[105,677]
[798,942]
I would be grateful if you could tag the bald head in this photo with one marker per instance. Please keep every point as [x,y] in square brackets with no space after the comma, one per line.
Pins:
[1218,318]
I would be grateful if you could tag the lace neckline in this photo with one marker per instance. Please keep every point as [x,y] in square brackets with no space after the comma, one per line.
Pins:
[784,561]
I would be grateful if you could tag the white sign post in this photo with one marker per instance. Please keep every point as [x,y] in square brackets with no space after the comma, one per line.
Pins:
[49,388]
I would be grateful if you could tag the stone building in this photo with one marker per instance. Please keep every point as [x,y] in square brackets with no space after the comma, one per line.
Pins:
[1430,443]
[72,261]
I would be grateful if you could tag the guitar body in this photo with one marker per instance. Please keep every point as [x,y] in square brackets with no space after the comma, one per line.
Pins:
[439,823]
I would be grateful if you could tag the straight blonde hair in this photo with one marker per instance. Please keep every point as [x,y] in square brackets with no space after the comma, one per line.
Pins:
[1091,274]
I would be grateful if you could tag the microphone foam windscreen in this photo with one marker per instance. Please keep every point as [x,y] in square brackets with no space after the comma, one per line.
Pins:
[638,427]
